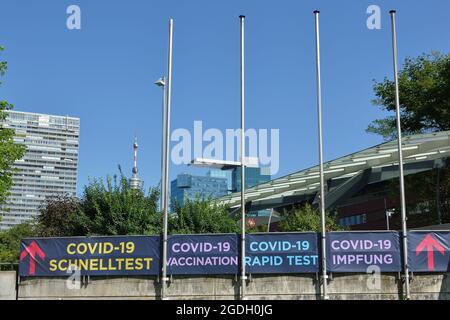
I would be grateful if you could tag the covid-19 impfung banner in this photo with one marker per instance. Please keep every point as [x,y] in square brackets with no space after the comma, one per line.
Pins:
[363,252]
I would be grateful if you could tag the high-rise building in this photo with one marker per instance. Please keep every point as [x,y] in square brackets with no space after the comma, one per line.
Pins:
[253,177]
[187,186]
[49,167]
[216,173]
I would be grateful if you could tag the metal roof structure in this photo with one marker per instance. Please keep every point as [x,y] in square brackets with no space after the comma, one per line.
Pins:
[358,167]
[250,162]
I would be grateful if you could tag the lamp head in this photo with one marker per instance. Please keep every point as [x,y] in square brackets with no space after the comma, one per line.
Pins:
[160,82]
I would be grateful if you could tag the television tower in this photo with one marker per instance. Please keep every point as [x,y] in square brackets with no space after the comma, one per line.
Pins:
[135,181]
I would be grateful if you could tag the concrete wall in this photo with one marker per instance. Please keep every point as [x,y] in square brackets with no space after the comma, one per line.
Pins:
[7,285]
[287,287]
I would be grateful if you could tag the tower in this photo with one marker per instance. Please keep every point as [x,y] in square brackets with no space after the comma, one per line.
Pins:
[135,181]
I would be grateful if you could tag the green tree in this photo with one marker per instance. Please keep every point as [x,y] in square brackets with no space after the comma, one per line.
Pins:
[114,208]
[10,241]
[201,216]
[9,151]
[307,218]
[255,229]
[58,217]
[424,84]
[427,194]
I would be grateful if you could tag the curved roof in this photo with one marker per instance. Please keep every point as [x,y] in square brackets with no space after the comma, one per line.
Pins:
[415,148]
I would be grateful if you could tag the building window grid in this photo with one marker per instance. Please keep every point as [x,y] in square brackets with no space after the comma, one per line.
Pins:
[47,136]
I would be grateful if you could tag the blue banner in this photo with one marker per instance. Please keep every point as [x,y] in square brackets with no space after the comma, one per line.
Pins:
[429,251]
[203,254]
[363,252]
[282,253]
[270,253]
[96,256]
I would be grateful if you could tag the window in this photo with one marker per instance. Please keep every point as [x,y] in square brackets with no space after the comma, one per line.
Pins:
[353,220]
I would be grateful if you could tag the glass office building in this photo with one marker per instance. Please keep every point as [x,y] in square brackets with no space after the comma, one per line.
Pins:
[253,177]
[227,174]
[49,167]
[187,186]
[215,184]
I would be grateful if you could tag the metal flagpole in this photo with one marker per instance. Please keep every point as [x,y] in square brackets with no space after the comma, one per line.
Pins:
[322,182]
[400,157]
[166,165]
[242,156]
[438,196]
[270,220]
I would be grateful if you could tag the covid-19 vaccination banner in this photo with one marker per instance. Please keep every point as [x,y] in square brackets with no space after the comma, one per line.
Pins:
[130,255]
[203,254]
[282,253]
[363,252]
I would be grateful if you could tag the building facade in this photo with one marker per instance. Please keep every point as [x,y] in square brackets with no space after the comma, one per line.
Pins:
[49,167]
[362,189]
[216,184]
[253,177]
[187,186]
[226,174]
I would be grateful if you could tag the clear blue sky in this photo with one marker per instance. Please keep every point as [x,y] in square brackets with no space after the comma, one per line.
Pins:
[104,73]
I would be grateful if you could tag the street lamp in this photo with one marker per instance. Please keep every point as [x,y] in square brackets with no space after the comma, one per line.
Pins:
[389,213]
[161,82]
[165,160]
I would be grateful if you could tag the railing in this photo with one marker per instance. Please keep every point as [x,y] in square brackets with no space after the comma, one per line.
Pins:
[9,266]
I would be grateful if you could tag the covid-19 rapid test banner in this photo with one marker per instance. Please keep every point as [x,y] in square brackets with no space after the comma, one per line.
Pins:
[282,253]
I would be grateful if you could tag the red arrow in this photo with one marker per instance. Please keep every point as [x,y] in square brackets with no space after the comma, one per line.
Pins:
[31,250]
[428,243]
